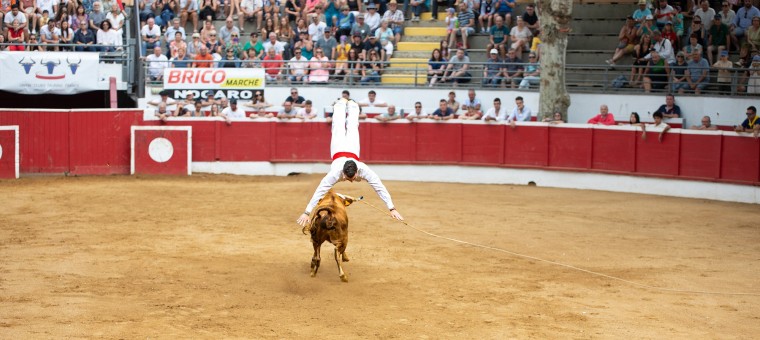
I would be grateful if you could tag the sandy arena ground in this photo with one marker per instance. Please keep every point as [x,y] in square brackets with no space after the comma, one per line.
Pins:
[221,257]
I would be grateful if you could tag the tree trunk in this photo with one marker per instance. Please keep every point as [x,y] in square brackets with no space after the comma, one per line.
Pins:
[555,17]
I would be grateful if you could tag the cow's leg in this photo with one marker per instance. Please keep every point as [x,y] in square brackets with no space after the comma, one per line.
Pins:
[338,256]
[315,259]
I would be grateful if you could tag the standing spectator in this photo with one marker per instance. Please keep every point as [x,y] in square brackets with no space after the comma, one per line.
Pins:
[513,69]
[417,113]
[203,59]
[724,67]
[532,73]
[451,24]
[705,14]
[452,102]
[751,124]
[492,70]
[664,14]
[272,65]
[395,18]
[658,124]
[287,111]
[157,62]
[372,101]
[226,32]
[471,102]
[298,67]
[457,70]
[327,43]
[295,99]
[307,111]
[504,10]
[487,9]
[520,113]
[531,19]
[496,113]
[706,124]
[626,41]
[678,74]
[151,35]
[436,66]
[232,112]
[162,113]
[372,18]
[669,109]
[657,73]
[443,112]
[319,67]
[466,28]
[718,39]
[521,36]
[698,73]
[497,37]
[743,21]
[604,117]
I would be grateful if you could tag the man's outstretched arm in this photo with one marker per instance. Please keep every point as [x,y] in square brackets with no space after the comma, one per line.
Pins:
[374,180]
[325,185]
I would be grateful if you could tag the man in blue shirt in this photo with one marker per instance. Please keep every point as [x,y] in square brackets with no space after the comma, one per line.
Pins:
[742,21]
[443,112]
[698,72]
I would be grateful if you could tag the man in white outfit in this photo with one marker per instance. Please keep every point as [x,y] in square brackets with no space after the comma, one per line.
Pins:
[344,148]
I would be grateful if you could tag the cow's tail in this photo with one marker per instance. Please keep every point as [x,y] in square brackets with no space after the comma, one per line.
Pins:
[318,217]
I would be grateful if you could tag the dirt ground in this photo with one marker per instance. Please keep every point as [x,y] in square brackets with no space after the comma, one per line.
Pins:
[221,257]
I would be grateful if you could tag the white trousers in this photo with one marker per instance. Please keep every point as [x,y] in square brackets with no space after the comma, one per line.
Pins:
[345,128]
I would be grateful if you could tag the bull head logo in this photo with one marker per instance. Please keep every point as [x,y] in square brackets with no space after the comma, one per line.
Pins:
[27,65]
[74,66]
[50,65]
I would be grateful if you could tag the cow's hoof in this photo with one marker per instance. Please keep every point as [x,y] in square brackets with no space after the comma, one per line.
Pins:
[313,273]
[344,278]
[344,257]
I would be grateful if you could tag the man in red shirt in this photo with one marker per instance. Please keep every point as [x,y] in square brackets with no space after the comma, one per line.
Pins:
[603,118]
[203,59]
[273,65]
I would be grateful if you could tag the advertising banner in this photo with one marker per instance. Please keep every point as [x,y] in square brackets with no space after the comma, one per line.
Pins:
[238,83]
[50,72]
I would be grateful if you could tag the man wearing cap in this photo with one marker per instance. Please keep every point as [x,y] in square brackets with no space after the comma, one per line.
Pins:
[360,27]
[395,19]
[724,67]
[698,72]
[233,111]
[751,124]
[493,70]
[718,40]
[372,18]
[640,14]
[164,99]
[373,44]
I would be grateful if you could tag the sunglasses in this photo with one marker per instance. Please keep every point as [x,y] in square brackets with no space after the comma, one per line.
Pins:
[294,93]
[417,107]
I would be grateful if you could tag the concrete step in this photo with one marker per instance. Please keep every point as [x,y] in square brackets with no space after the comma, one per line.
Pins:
[595,11]
[417,46]
[601,26]
[422,38]
[424,31]
[402,79]
[591,42]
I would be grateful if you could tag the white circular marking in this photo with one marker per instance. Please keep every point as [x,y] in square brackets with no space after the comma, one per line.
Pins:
[161,150]
[1,151]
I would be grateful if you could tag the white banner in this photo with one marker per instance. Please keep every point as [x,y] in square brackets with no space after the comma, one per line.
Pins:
[49,72]
[240,83]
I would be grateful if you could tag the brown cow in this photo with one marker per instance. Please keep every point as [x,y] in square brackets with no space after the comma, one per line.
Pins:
[329,222]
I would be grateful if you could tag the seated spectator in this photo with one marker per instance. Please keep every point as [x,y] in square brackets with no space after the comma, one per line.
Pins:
[12,13]
[117,18]
[373,45]
[360,28]
[496,113]
[504,10]
[698,30]
[261,113]
[663,14]
[718,39]
[698,73]
[497,37]
[471,114]
[472,101]
[197,109]
[316,29]
[164,99]
[705,124]
[724,67]
[258,101]
[752,44]
[249,10]
[16,37]
[531,19]
[663,47]
[229,60]
[254,44]
[97,16]
[521,36]
[273,43]
[493,70]
[372,101]
[640,14]
[344,21]
[556,118]
[389,115]
[633,120]
[50,34]
[678,80]
[287,111]
[182,60]
[751,124]
[520,113]
[203,59]
[487,9]
[307,111]
[417,113]
[384,36]
[639,62]
[188,8]
[658,124]
[603,118]
[372,68]
[151,35]
[373,18]
[626,41]
[273,66]
[319,67]
[295,99]
[341,56]
[436,66]
[232,112]
[457,70]
[693,45]
[452,102]
[210,100]
[670,34]
[177,43]
[466,20]
[513,69]
[417,7]
[208,9]
[532,74]
[353,70]
[705,13]
[214,111]
[226,31]
[657,73]
[669,109]
[395,18]
[157,62]
[443,112]
[648,27]
[67,35]
[753,82]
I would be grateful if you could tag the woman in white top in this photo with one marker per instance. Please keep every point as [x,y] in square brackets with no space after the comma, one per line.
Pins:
[67,35]
[385,36]
[520,35]
[108,36]
[117,20]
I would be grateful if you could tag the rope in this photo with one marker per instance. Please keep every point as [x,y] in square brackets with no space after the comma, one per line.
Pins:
[594,273]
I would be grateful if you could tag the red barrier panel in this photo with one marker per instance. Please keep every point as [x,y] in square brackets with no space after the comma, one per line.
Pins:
[204,138]
[244,141]
[655,157]
[613,150]
[300,142]
[700,155]
[483,144]
[741,159]
[93,152]
[9,162]
[526,145]
[161,150]
[44,139]
[563,147]
[439,142]
[388,143]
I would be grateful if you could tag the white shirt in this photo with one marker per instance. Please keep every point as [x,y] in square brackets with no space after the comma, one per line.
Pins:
[414,113]
[377,102]
[108,38]
[520,116]
[21,17]
[239,113]
[169,36]
[46,5]
[373,21]
[154,32]
[302,113]
[298,66]
[156,64]
[117,21]
[499,116]
[279,46]
[665,49]
[45,31]
[336,175]
[316,31]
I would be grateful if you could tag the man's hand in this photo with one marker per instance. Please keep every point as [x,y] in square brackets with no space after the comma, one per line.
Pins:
[304,219]
[395,214]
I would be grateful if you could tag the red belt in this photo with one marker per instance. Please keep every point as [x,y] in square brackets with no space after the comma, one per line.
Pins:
[345,154]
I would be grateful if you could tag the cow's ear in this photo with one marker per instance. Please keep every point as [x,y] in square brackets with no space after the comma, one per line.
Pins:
[347,201]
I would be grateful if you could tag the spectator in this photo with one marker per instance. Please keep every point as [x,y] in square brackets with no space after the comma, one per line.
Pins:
[272,9]
[697,29]
[753,83]
[669,34]
[157,62]
[658,124]
[360,27]
[27,8]
[724,67]
[232,112]
[493,69]
[751,124]
[513,69]
[504,10]
[273,65]
[373,45]
[341,56]
[678,21]
[693,44]
[226,31]
[229,60]
[532,74]
[197,110]
[752,43]
[210,100]
[466,20]
[194,47]
[316,29]
[319,67]
[372,18]
[626,41]
[249,10]
[166,11]
[471,102]
[664,14]
[718,40]
[353,70]
[254,44]
[706,124]
[417,113]
[33,44]
[258,102]
[435,67]
[444,112]
[372,101]
[743,21]
[49,34]
[663,47]
[372,68]
[151,35]
[389,115]
[164,99]
[307,111]
[208,26]
[498,36]
[487,9]
[471,114]
[385,38]
[162,113]
[531,19]
[177,44]
[298,67]
[727,14]
[648,27]
[203,59]
[657,73]
[344,22]
[603,118]
[520,113]
[14,15]
[452,102]
[117,18]
[633,120]
[15,37]
[556,118]
[236,46]
[261,113]
[640,14]
[287,111]
[214,111]
[496,113]
[705,14]
[208,9]
[188,8]
[417,7]
[678,74]
[295,99]
[395,18]
[521,36]
[327,43]
[451,24]
[698,73]
[669,109]
[457,70]
[273,43]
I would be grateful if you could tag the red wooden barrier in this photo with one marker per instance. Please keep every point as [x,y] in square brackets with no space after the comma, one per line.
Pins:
[389,143]
[299,142]
[439,143]
[700,155]
[161,150]
[526,146]
[613,150]
[655,157]
[9,166]
[93,152]
[741,159]
[44,139]
[483,144]
[563,147]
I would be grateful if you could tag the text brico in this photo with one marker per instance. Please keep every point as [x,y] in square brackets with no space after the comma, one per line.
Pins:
[212,77]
